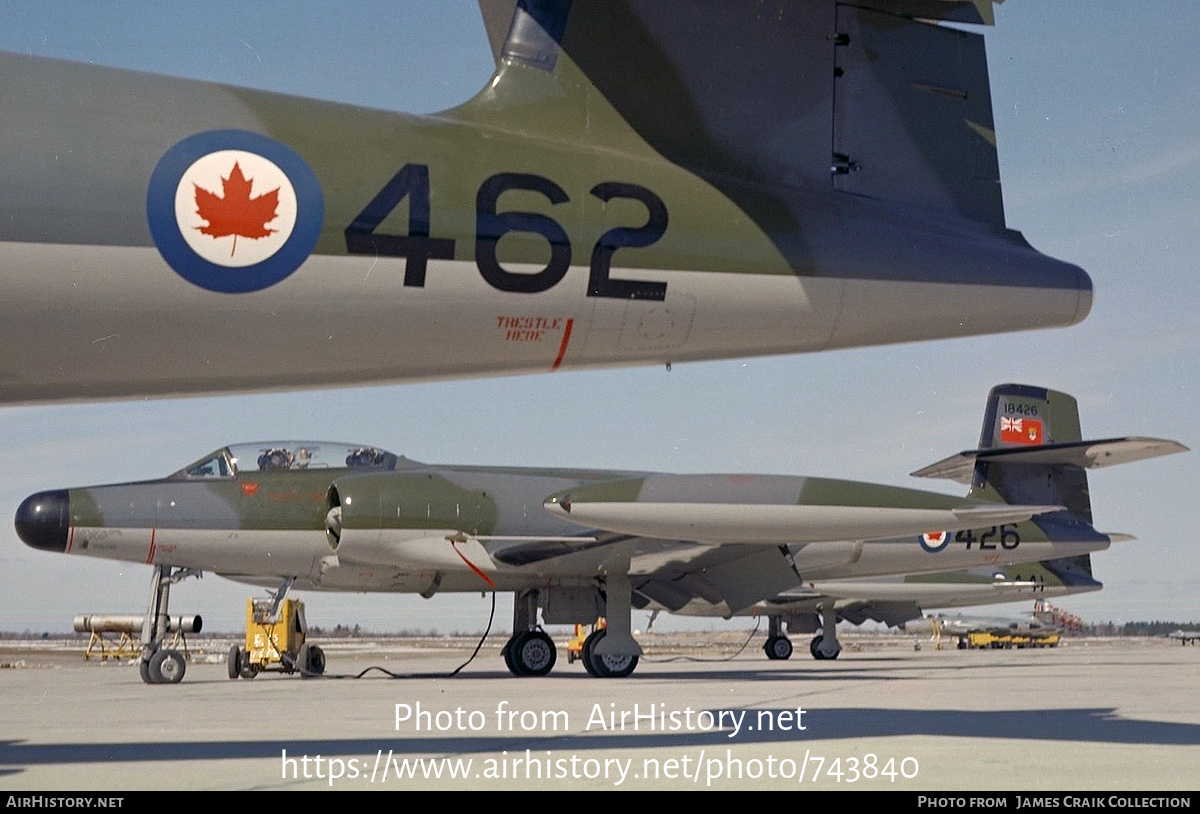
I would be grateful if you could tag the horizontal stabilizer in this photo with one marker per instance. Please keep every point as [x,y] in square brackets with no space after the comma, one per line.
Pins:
[769,524]
[1083,454]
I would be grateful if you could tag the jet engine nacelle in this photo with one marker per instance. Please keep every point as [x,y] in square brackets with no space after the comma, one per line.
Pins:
[373,519]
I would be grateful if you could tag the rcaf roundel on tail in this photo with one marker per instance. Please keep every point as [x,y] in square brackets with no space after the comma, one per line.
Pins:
[233,211]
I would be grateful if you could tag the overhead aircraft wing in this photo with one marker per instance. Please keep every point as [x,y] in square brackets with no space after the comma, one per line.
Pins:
[1083,454]
[774,524]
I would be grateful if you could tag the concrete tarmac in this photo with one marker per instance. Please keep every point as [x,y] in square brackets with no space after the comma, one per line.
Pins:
[1091,715]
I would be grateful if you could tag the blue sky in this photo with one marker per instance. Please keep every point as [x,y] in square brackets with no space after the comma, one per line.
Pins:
[1097,120]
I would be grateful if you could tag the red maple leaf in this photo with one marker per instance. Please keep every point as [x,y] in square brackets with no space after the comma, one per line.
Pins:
[235,212]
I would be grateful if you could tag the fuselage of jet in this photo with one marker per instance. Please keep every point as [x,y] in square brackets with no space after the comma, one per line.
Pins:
[337,517]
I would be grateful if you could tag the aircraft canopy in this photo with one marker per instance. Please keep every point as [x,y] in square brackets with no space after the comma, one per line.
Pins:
[278,456]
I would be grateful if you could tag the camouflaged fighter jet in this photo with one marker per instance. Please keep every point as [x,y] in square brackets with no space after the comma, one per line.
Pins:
[578,544]
[639,182]
[817,607]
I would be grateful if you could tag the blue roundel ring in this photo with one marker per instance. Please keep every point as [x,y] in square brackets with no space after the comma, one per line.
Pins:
[933,549]
[160,213]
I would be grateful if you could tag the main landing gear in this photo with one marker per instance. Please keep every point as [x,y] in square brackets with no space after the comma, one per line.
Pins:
[778,646]
[529,651]
[602,665]
[609,652]
[158,664]
[825,645]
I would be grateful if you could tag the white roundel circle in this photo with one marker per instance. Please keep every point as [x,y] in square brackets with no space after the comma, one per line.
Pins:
[235,208]
[233,211]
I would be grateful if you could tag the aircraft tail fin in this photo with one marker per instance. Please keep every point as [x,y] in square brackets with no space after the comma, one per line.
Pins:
[497,18]
[1073,572]
[1031,450]
[753,91]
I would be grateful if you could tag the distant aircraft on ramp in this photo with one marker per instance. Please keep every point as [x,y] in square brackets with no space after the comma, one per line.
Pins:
[898,600]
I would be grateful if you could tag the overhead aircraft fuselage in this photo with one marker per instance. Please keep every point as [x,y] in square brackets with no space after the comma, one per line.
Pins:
[166,236]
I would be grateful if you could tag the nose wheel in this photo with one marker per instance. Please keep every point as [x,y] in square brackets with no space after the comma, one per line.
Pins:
[158,664]
[167,666]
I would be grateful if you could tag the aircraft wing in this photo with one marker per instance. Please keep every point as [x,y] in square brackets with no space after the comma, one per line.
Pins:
[672,575]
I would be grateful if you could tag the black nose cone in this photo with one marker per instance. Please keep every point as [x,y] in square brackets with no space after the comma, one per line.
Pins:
[43,520]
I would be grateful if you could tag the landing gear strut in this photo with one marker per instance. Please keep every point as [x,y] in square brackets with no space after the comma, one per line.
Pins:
[605,666]
[825,645]
[158,664]
[529,652]
[609,652]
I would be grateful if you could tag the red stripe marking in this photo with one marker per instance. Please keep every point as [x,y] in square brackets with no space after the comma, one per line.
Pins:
[471,565]
[562,349]
[150,556]
[71,540]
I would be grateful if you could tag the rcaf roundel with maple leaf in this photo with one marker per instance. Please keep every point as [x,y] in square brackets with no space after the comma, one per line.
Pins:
[234,211]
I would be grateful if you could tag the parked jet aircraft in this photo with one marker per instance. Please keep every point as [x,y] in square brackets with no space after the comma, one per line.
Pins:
[639,182]
[577,544]
[817,607]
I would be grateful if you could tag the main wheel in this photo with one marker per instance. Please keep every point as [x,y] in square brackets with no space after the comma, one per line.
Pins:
[168,665]
[534,653]
[233,662]
[603,666]
[778,648]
